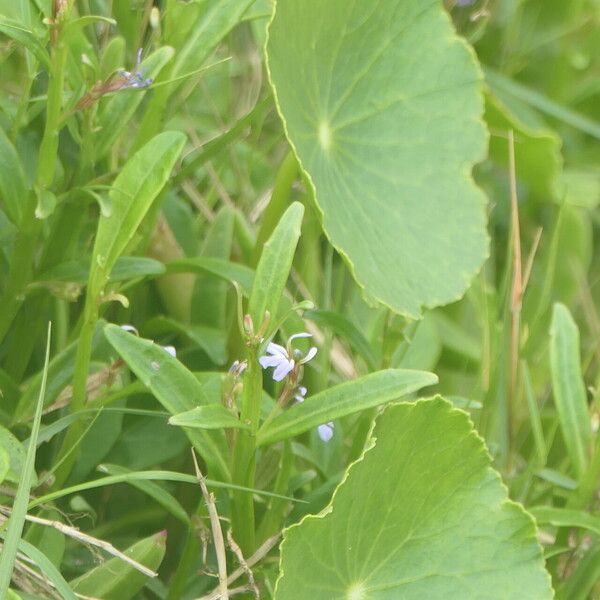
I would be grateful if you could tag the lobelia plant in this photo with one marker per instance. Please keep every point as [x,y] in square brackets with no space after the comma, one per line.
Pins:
[260,232]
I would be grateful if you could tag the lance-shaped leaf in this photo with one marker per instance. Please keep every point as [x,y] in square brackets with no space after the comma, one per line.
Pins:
[13,185]
[343,399]
[132,194]
[569,389]
[174,386]
[217,267]
[118,580]
[381,102]
[275,264]
[422,515]
[211,416]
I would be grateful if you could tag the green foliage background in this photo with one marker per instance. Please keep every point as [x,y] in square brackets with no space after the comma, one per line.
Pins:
[414,183]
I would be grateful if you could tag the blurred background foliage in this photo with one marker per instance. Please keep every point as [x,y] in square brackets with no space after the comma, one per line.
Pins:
[541,62]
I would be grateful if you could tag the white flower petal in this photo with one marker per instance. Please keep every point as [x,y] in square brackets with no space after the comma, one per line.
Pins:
[299,335]
[301,392]
[285,366]
[171,350]
[275,349]
[130,328]
[325,431]
[309,355]
[271,361]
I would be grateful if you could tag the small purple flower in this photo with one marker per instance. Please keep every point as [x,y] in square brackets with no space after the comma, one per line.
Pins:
[282,359]
[325,431]
[464,2]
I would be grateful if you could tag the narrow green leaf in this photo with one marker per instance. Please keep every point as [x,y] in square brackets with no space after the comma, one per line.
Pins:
[542,103]
[343,399]
[132,194]
[569,389]
[60,373]
[174,386]
[126,267]
[75,25]
[212,416]
[13,186]
[148,476]
[26,38]
[155,491]
[16,521]
[213,147]
[48,569]
[274,266]
[535,418]
[421,515]
[4,464]
[212,341]
[15,452]
[564,517]
[579,585]
[118,580]
[343,326]
[223,269]
[213,23]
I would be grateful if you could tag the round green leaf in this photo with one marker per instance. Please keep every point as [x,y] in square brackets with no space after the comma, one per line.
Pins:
[422,515]
[381,102]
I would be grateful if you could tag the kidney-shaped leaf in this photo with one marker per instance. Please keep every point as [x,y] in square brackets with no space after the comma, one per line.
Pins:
[422,515]
[381,102]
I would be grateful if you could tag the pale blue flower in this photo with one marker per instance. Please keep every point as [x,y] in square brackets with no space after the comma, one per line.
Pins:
[282,359]
[325,431]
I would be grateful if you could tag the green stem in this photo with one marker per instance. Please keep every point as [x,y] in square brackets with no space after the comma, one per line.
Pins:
[21,261]
[244,457]
[80,376]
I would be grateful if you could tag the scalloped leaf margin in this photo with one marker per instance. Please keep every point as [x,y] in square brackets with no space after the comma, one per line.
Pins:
[382,104]
[421,515]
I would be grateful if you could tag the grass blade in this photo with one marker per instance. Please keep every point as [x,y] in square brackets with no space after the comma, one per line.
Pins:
[569,389]
[19,508]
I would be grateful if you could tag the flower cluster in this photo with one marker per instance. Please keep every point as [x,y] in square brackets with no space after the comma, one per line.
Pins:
[286,360]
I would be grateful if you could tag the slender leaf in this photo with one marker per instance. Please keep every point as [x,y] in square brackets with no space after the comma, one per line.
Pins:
[343,399]
[148,476]
[569,390]
[155,491]
[344,327]
[118,580]
[274,266]
[26,38]
[212,416]
[13,186]
[564,517]
[126,267]
[48,569]
[16,521]
[132,193]
[174,386]
[223,269]
[211,340]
